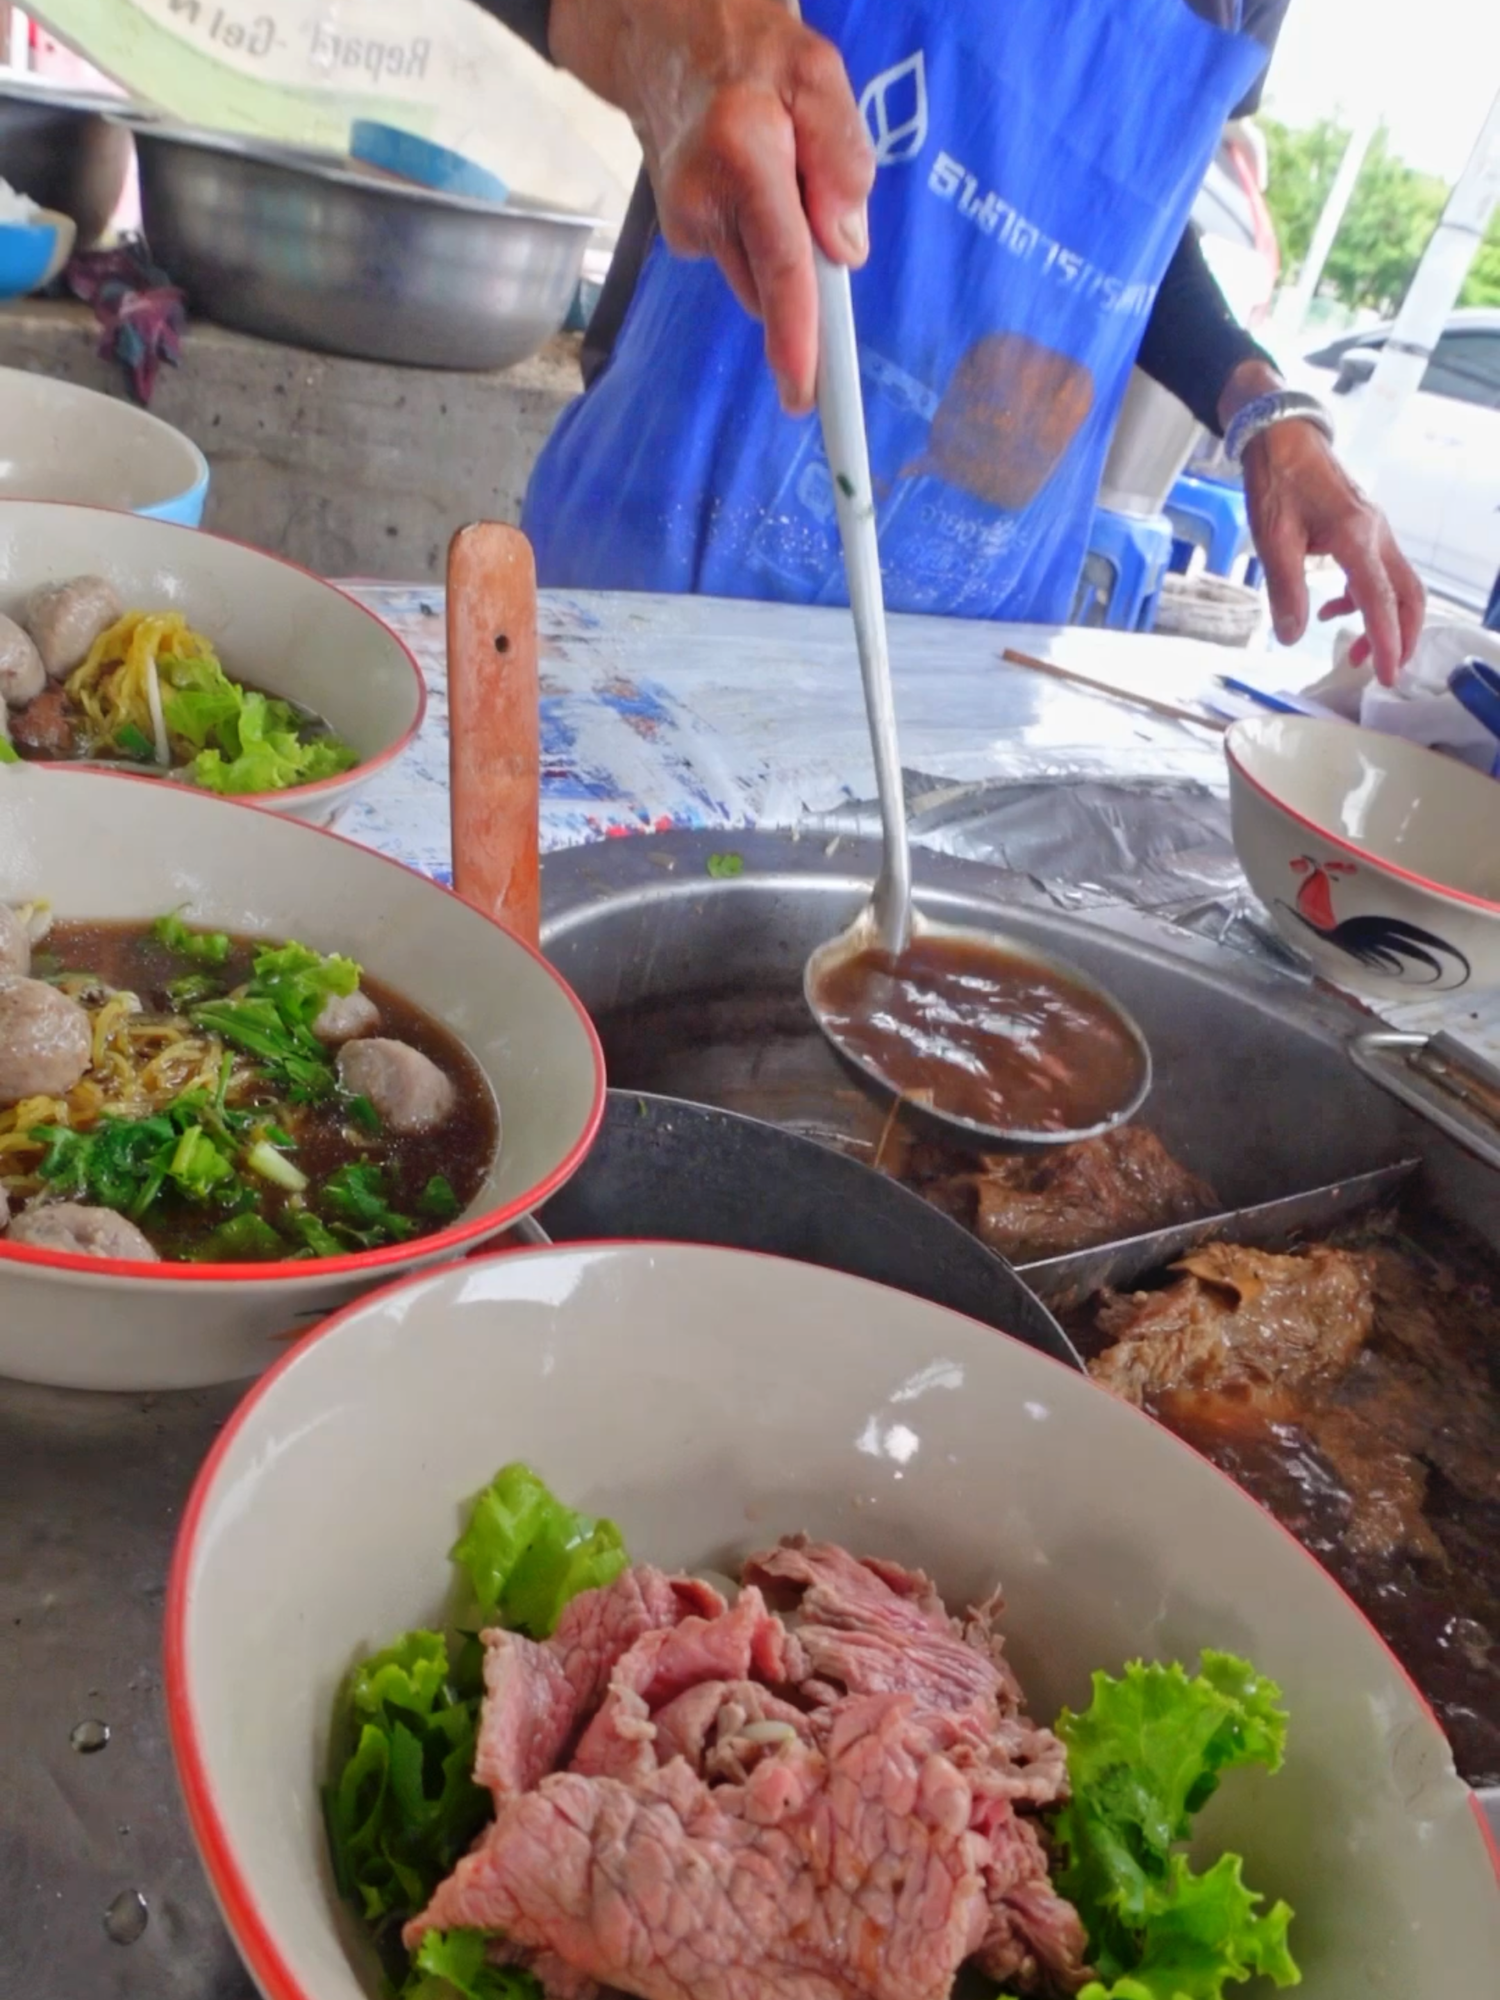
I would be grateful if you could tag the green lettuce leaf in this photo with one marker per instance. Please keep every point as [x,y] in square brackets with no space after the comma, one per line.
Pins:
[241,740]
[1144,1757]
[527,1556]
[400,1805]
[450,1964]
[1201,1931]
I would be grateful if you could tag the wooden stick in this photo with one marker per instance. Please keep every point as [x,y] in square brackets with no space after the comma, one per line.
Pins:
[1169,709]
[495,753]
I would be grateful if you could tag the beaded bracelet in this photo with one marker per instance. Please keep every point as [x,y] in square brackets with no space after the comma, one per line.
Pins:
[1279,407]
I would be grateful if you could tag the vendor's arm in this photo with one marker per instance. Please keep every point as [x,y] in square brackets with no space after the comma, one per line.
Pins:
[753,142]
[1302,502]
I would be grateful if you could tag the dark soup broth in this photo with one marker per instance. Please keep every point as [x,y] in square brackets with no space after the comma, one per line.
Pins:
[985,1036]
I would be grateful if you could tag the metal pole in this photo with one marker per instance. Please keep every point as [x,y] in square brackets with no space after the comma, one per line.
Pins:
[1292,319]
[1425,309]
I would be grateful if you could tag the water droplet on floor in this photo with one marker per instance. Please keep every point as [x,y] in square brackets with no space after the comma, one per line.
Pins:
[89,1736]
[126,1917]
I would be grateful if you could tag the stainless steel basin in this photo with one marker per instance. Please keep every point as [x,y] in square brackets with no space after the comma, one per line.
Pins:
[302,247]
[63,151]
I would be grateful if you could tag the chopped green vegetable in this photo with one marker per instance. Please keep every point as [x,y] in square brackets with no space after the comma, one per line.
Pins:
[1144,1757]
[355,1196]
[9,754]
[527,1556]
[451,1965]
[290,1054]
[299,981]
[438,1200]
[196,986]
[197,1165]
[135,743]
[244,1239]
[242,740]
[724,867]
[204,947]
[263,1159]
[400,1804]
[314,1236]
[364,1114]
[272,1018]
[123,1163]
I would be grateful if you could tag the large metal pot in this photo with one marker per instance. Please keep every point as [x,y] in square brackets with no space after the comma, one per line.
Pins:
[299,246]
[662,1170]
[65,153]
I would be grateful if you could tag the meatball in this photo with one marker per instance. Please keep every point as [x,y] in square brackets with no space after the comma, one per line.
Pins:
[345,1017]
[408,1090]
[66,618]
[45,727]
[15,944]
[46,1041]
[85,1232]
[22,675]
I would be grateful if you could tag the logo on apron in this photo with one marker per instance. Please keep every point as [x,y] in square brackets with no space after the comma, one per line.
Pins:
[894,108]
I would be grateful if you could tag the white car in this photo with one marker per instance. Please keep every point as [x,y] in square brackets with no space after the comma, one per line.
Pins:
[1440,484]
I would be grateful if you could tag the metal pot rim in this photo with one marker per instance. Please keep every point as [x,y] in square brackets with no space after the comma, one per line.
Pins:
[314,164]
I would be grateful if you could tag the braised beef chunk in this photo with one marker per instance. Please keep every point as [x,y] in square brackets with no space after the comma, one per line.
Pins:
[1239,1319]
[1030,1206]
[45,727]
[698,1801]
[1355,1391]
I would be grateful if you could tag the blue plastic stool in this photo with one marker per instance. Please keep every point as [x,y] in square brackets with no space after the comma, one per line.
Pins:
[1128,556]
[1208,515]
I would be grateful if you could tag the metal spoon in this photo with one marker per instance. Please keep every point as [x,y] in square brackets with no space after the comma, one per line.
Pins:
[888,923]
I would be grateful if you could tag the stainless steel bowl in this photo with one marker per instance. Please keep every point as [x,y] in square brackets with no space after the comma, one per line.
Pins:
[302,247]
[61,149]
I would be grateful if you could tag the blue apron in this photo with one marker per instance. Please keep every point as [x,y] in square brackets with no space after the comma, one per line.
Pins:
[1037,166]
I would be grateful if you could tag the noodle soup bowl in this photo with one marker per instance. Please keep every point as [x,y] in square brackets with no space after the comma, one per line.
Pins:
[103,848]
[710,1401]
[274,627]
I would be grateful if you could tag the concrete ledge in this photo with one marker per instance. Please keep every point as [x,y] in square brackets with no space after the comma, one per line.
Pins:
[351,467]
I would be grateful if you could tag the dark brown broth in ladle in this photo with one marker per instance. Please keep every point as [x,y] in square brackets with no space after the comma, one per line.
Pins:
[983,1035]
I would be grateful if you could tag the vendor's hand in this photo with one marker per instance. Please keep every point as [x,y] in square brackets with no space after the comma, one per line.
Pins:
[1303,503]
[750,129]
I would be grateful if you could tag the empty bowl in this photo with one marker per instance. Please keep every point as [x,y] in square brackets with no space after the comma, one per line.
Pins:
[1378,859]
[61,442]
[32,253]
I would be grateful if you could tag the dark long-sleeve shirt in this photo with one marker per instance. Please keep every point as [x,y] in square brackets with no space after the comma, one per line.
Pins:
[1192,343]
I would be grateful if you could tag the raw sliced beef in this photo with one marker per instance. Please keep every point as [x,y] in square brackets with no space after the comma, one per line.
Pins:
[537,1697]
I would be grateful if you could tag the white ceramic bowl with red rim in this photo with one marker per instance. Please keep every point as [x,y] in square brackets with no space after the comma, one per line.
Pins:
[1378,859]
[709,1401]
[275,626]
[110,848]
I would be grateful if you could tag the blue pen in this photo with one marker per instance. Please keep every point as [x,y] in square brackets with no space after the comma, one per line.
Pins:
[1275,701]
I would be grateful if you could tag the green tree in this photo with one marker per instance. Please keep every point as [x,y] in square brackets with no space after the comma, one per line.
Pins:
[1388,224]
[1482,287]
[1302,169]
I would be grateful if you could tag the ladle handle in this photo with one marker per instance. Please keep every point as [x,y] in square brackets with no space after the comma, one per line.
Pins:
[494,727]
[841,409]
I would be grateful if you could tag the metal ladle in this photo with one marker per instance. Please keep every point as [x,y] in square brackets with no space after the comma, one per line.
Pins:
[888,923]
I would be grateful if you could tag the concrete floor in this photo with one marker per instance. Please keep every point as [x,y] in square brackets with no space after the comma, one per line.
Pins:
[351,467]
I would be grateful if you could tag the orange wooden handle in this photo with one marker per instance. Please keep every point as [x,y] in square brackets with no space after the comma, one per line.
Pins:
[494,725]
